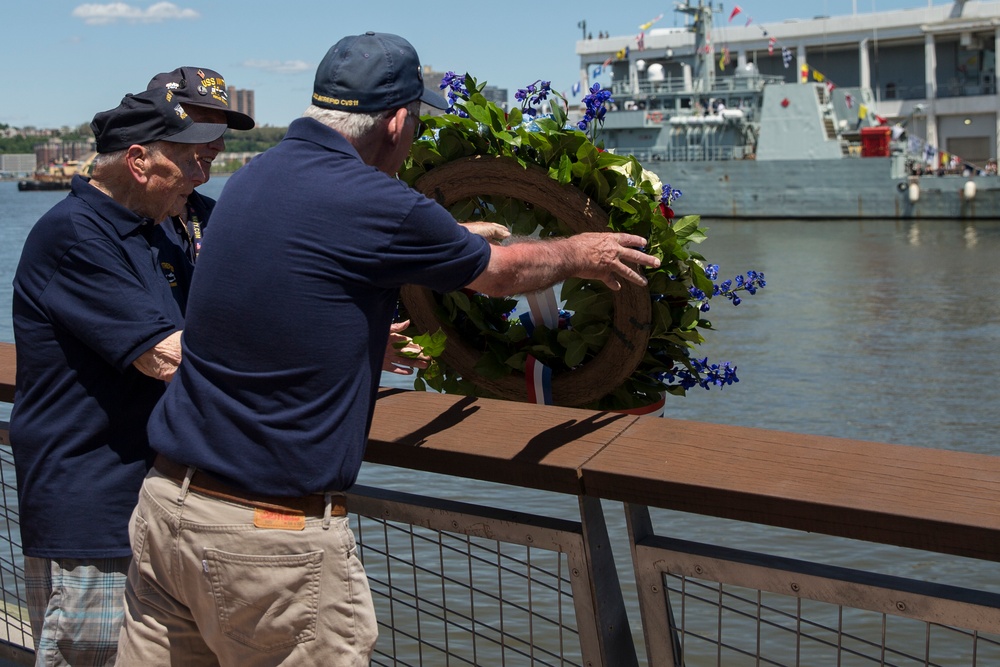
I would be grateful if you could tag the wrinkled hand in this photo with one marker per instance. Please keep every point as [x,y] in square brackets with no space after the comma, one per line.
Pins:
[394,361]
[491,231]
[608,256]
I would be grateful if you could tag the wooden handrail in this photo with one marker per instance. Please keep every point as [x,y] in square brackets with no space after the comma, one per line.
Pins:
[917,497]
[932,499]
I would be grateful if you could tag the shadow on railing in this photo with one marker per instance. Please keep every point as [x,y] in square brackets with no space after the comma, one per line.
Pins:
[475,584]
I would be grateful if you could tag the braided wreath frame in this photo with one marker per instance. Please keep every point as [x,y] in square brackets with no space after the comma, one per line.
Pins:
[632,315]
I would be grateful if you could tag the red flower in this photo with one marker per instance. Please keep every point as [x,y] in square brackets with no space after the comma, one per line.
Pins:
[667,212]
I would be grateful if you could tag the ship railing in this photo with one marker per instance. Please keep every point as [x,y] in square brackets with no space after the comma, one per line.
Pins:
[674,85]
[575,550]
[945,89]
[687,153]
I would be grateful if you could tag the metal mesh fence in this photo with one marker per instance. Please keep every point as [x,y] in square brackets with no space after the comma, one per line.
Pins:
[15,629]
[719,624]
[451,599]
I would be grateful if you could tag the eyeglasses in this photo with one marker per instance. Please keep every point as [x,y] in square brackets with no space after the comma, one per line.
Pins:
[418,126]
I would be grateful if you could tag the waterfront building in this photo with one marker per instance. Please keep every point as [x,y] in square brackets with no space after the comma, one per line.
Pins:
[57,151]
[17,163]
[931,69]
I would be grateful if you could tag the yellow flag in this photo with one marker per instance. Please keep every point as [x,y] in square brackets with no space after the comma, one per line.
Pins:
[862,111]
[649,24]
[819,77]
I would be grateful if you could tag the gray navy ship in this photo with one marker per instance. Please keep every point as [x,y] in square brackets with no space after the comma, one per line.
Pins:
[881,115]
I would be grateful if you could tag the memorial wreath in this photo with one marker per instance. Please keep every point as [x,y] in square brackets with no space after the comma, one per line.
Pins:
[542,177]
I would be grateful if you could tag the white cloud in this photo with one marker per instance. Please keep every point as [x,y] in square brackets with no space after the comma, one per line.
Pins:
[279,66]
[95,14]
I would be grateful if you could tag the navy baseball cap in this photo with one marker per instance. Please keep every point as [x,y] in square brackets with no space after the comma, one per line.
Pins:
[202,88]
[372,72]
[153,115]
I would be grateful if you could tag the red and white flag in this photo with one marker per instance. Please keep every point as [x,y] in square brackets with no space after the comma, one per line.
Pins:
[732,15]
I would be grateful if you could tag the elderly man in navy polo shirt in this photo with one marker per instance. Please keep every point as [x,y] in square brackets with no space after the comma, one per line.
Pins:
[203,94]
[247,557]
[97,334]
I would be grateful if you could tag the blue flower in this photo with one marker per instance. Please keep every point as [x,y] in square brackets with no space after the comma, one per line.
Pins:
[532,96]
[669,195]
[595,108]
[456,91]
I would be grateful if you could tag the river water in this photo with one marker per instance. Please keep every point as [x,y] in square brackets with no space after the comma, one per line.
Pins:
[874,330]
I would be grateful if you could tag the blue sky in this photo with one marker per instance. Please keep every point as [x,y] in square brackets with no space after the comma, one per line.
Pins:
[64,60]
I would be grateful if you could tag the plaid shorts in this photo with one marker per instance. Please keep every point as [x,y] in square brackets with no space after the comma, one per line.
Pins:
[76,609]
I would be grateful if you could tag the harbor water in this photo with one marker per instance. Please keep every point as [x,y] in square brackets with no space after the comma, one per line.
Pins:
[875,330]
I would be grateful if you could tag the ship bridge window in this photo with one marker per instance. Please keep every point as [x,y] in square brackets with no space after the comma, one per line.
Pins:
[890,91]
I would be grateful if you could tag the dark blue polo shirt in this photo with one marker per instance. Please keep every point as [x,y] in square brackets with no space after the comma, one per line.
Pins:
[178,244]
[89,298]
[289,313]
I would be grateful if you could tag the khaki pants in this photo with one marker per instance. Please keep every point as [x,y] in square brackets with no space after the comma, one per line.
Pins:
[208,587]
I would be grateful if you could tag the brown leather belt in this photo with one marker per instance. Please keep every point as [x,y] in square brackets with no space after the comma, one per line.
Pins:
[205,484]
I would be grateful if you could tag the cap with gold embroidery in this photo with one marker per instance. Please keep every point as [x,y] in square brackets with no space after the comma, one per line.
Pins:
[372,72]
[203,88]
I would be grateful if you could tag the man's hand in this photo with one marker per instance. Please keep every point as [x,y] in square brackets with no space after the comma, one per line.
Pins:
[161,360]
[395,361]
[605,256]
[491,231]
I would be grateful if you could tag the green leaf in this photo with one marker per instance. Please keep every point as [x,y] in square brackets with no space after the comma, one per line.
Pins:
[433,344]
[514,117]
[576,348]
[687,225]
[565,170]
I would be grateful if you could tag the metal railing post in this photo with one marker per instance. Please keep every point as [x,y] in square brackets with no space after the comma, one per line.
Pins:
[609,636]
[663,646]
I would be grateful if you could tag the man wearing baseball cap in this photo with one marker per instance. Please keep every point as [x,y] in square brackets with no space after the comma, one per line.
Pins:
[203,94]
[288,323]
[97,334]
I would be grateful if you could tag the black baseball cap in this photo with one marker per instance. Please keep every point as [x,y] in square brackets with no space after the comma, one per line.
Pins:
[153,115]
[372,72]
[203,88]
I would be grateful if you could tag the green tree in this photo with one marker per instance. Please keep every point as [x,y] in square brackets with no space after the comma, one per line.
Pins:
[257,140]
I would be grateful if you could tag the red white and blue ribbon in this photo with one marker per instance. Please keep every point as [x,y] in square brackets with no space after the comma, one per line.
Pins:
[538,378]
[543,308]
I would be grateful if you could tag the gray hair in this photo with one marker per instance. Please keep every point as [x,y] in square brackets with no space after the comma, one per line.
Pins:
[107,160]
[118,157]
[354,125]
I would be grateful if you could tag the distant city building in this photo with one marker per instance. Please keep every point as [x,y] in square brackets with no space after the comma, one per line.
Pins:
[55,151]
[496,95]
[241,99]
[17,163]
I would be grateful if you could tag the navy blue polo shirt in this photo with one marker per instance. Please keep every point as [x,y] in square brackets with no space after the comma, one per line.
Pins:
[177,245]
[289,313]
[89,298]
